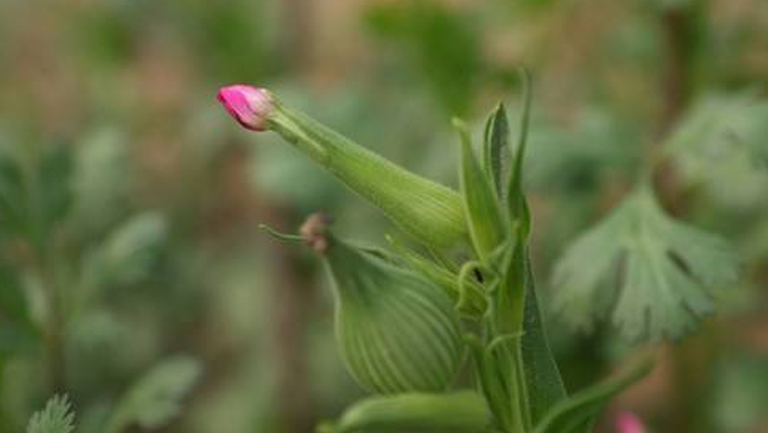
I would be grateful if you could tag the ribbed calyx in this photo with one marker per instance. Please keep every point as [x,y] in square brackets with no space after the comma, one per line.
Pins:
[397,332]
[426,210]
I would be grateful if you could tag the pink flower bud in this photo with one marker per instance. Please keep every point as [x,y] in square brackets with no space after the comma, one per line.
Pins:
[627,422]
[250,106]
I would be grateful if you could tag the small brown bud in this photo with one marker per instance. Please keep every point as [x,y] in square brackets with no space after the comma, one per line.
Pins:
[314,232]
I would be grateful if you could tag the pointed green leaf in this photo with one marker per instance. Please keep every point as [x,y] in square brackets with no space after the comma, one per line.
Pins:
[480,203]
[494,379]
[496,149]
[544,383]
[576,414]
[518,206]
[509,289]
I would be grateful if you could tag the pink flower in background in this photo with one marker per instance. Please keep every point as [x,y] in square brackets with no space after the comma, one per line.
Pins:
[627,422]
[250,106]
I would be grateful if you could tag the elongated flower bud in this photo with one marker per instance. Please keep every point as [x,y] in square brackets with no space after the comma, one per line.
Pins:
[397,331]
[250,106]
[428,211]
[459,412]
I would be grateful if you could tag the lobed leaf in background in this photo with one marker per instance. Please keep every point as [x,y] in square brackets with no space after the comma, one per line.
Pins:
[723,144]
[657,273]
[56,417]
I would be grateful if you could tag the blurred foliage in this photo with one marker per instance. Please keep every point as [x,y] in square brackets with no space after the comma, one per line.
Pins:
[56,417]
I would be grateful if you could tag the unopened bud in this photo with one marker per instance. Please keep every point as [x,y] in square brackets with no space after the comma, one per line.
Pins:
[250,106]
[428,211]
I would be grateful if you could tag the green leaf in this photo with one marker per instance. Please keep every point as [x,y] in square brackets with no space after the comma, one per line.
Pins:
[155,399]
[577,414]
[718,125]
[722,144]
[669,271]
[543,381]
[57,417]
[496,149]
[459,412]
[481,206]
[518,205]
[128,254]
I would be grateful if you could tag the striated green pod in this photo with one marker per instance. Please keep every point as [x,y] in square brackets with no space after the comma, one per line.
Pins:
[397,331]
[458,412]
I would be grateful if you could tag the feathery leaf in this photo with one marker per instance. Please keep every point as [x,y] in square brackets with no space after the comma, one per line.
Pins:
[57,417]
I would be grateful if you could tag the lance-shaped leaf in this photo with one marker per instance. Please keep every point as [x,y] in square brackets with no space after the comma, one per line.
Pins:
[457,412]
[517,204]
[666,270]
[56,417]
[496,148]
[543,381]
[481,206]
[577,414]
[428,211]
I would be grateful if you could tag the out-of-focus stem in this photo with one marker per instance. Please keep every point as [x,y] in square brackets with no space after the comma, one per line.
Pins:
[292,300]
[679,26]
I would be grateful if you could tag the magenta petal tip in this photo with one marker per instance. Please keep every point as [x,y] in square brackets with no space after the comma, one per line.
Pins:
[628,422]
[250,106]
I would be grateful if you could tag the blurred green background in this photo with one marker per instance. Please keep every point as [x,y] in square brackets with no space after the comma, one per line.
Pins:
[130,260]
